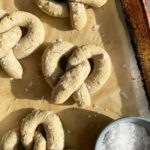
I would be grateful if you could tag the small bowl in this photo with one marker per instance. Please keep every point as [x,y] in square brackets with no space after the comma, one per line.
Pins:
[136,120]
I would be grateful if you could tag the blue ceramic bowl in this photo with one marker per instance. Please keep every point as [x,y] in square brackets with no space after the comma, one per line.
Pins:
[136,120]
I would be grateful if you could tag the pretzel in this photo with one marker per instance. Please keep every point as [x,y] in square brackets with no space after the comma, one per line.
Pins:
[52,125]
[39,141]
[94,3]
[12,46]
[79,80]
[30,138]
[75,9]
[10,140]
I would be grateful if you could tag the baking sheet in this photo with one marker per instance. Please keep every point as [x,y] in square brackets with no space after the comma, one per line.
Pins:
[119,97]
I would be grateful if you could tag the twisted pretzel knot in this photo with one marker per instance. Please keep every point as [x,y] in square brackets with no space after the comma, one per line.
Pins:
[79,80]
[75,9]
[12,45]
[32,139]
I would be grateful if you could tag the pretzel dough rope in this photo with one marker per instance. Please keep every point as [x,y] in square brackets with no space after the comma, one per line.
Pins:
[76,10]
[12,46]
[12,139]
[78,81]
[28,134]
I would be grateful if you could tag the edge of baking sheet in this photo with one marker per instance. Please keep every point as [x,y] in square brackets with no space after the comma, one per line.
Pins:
[137,23]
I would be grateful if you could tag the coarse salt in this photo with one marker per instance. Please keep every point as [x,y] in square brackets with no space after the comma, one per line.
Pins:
[126,136]
[124,66]
[59,40]
[89,116]
[30,84]
[124,94]
[68,132]
[26,90]
[95,27]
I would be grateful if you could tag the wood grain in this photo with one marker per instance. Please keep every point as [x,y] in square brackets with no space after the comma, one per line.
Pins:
[137,21]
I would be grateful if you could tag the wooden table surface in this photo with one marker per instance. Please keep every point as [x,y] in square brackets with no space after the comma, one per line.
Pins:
[136,12]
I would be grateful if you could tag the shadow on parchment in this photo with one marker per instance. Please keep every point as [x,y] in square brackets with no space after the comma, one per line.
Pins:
[13,120]
[29,6]
[81,127]
[3,74]
[33,85]
[109,32]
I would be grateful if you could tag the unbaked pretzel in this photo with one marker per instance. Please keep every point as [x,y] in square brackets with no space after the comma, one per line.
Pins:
[32,139]
[52,125]
[75,9]
[10,140]
[79,80]
[12,46]
[39,141]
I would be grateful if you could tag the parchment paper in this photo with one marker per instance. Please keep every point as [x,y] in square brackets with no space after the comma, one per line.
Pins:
[116,99]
